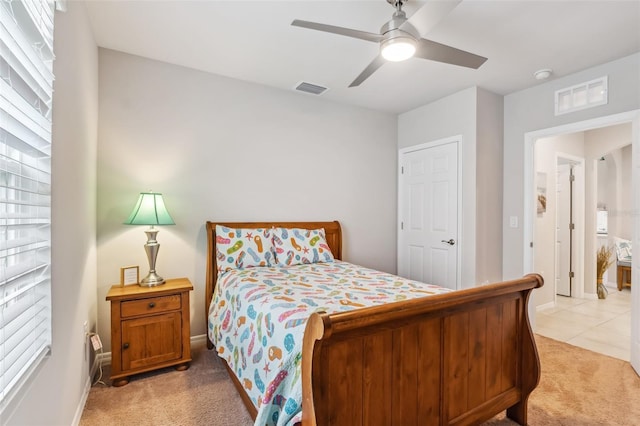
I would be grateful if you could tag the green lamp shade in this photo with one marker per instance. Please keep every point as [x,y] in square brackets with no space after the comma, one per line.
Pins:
[150,210]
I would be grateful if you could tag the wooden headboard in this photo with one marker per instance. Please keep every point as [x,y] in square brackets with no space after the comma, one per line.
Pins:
[333,233]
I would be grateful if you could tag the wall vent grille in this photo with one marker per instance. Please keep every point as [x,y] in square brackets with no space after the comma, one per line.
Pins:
[314,89]
[582,96]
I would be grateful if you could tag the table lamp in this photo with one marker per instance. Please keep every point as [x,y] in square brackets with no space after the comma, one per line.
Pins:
[150,210]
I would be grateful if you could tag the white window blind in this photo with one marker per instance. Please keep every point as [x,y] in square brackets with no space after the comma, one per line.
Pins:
[26,86]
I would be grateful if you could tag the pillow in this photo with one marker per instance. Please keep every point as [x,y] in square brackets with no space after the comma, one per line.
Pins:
[623,249]
[295,246]
[243,248]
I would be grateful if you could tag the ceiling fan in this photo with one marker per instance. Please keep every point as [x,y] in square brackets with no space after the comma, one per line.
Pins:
[400,39]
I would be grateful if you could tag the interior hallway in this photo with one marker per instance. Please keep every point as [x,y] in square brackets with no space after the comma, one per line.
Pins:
[600,325]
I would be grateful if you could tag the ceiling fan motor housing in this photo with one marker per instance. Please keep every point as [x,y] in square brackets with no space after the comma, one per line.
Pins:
[391,28]
[398,44]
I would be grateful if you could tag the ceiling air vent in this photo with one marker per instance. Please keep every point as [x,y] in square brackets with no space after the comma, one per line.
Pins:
[314,89]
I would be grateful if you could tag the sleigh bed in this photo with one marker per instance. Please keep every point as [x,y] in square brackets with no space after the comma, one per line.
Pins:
[450,358]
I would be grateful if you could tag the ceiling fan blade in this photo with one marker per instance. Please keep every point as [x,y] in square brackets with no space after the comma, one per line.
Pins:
[370,69]
[362,35]
[433,51]
[429,15]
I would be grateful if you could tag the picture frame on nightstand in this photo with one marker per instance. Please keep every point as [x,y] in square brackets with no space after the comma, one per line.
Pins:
[129,275]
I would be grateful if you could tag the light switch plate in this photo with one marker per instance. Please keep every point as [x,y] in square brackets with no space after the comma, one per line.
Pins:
[513,221]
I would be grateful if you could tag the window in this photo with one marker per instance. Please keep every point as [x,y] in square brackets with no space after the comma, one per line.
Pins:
[26,80]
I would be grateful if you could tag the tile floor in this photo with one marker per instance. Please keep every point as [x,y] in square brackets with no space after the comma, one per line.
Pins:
[602,326]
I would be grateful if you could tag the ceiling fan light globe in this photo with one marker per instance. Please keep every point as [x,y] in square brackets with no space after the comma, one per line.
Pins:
[398,49]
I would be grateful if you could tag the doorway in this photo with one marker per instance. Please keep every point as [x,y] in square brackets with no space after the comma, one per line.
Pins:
[559,223]
[565,229]
[614,198]
[631,118]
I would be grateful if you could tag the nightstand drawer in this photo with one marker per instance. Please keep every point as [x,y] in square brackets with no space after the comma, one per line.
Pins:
[151,305]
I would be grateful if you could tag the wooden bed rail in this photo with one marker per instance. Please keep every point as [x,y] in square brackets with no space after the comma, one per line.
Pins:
[451,359]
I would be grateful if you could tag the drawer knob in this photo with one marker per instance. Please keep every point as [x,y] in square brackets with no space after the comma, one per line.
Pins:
[152,305]
[125,346]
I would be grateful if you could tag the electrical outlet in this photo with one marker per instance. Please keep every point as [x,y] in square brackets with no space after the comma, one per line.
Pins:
[95,341]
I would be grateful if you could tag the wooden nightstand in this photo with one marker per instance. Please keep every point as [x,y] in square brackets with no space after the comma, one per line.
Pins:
[149,328]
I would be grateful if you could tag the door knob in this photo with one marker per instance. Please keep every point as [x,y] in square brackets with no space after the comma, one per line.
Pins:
[450,242]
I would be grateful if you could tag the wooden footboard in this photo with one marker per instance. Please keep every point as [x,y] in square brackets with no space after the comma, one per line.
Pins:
[453,359]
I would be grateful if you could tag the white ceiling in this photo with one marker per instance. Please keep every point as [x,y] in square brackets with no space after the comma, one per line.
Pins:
[254,41]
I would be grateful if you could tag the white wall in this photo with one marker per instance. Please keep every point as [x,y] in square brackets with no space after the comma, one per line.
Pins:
[625,218]
[533,109]
[454,115]
[475,115]
[446,117]
[489,151]
[614,181]
[55,395]
[605,141]
[614,144]
[222,149]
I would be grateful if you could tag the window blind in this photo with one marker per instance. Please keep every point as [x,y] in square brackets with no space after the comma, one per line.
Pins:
[26,88]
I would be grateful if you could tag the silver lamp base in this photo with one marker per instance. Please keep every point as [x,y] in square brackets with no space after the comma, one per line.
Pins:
[151,248]
[152,279]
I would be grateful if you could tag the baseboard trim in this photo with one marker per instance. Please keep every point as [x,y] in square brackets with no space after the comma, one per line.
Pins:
[85,392]
[545,306]
[200,339]
[104,358]
[591,296]
[587,296]
[83,401]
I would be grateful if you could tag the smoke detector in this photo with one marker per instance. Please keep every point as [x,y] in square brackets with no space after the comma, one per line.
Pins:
[543,74]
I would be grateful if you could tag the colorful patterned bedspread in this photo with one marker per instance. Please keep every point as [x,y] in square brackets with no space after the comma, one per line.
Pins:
[258,315]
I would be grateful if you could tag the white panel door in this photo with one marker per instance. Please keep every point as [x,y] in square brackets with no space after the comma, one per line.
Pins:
[563,234]
[428,212]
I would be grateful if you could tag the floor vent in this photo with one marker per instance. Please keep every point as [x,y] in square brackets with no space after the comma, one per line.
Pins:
[314,89]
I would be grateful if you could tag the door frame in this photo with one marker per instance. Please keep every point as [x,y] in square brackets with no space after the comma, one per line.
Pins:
[530,138]
[457,140]
[577,289]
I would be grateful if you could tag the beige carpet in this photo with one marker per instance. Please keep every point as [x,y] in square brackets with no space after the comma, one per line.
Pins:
[578,387]
[202,395]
